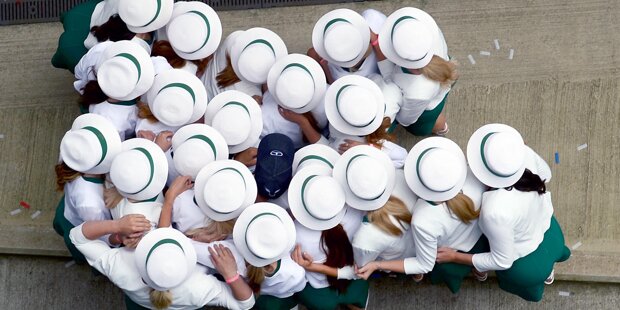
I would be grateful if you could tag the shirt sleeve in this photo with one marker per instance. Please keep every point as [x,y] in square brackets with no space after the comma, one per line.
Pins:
[538,165]
[501,241]
[98,254]
[392,96]
[397,153]
[223,296]
[85,69]
[425,242]
[386,68]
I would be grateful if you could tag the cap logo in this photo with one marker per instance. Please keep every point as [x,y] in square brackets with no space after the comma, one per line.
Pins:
[276,153]
[270,193]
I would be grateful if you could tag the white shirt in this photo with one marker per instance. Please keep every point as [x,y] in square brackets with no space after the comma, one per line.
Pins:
[288,279]
[119,266]
[150,209]
[155,127]
[368,67]
[435,226]
[186,215]
[102,13]
[123,116]
[274,122]
[397,153]
[204,257]
[84,201]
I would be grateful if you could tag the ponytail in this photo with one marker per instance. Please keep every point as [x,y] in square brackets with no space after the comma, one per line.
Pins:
[381,217]
[530,182]
[92,94]
[114,30]
[339,251]
[463,207]
[256,276]
[381,135]
[227,76]
[160,299]
[64,175]
[441,71]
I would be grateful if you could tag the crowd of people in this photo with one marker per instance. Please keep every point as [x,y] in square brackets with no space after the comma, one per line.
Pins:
[211,170]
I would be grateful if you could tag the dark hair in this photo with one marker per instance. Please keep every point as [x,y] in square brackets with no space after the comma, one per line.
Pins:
[530,182]
[64,175]
[164,49]
[339,251]
[114,30]
[92,95]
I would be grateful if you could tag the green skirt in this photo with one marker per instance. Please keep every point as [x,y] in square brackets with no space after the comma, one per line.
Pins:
[425,123]
[527,275]
[268,302]
[63,227]
[453,274]
[328,298]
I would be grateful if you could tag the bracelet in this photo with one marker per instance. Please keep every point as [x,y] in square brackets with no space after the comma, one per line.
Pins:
[233,279]
[375,42]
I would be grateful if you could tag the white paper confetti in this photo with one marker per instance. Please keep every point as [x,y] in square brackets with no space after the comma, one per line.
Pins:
[496,41]
[512,54]
[564,294]
[576,245]
[485,53]
[582,147]
[471,59]
[16,211]
[1,136]
[69,264]
[35,215]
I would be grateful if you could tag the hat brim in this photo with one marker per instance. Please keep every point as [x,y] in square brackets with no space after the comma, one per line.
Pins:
[213,138]
[335,118]
[256,116]
[110,134]
[215,28]
[474,157]
[204,175]
[147,75]
[149,240]
[403,192]
[296,204]
[160,168]
[355,19]
[385,37]
[411,169]
[247,37]
[315,70]
[165,12]
[244,220]
[179,76]
[340,173]
[317,153]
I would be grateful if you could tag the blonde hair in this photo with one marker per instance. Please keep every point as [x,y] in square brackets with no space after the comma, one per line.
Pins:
[160,299]
[256,276]
[227,76]
[215,228]
[64,175]
[463,207]
[381,135]
[144,112]
[111,197]
[440,70]
[381,217]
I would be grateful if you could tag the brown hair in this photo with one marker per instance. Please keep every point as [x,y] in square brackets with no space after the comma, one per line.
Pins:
[381,135]
[256,276]
[440,70]
[381,217]
[160,299]
[339,251]
[144,112]
[92,94]
[463,207]
[64,175]
[114,30]
[164,48]
[227,76]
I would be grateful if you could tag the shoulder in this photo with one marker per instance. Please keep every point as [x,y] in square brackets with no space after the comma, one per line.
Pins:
[417,87]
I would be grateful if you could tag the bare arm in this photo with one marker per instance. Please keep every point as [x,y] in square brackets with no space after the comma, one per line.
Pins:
[178,186]
[224,261]
[131,224]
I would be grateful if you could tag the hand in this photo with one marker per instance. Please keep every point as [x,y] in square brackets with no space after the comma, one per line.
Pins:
[131,242]
[146,134]
[348,143]
[131,224]
[223,260]
[206,235]
[367,270]
[445,255]
[164,140]
[178,186]
[247,157]
[292,116]
[302,259]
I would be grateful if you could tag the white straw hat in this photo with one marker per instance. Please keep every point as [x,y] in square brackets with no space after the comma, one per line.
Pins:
[196,145]
[194,31]
[177,97]
[264,233]
[315,198]
[224,188]
[254,53]
[407,38]
[342,37]
[90,145]
[140,171]
[354,105]
[238,117]
[297,82]
[496,155]
[315,154]
[142,16]
[165,258]
[125,71]
[435,169]
[367,176]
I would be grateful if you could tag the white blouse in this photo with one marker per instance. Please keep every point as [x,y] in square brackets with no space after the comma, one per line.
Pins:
[102,13]
[204,257]
[150,209]
[84,201]
[123,116]
[186,215]
[274,122]
[368,67]
[288,279]
[397,153]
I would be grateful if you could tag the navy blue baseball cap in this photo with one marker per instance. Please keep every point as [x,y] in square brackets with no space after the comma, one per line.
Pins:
[274,165]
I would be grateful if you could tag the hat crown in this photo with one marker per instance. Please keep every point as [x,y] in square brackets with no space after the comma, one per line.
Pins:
[233,122]
[366,177]
[174,104]
[439,170]
[166,265]
[322,197]
[189,32]
[295,87]
[503,153]
[256,60]
[224,191]
[131,170]
[411,38]
[119,75]
[192,155]
[81,149]
[356,105]
[266,236]
[342,40]
[139,13]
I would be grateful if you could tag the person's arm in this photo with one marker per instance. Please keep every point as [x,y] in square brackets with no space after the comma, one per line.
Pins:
[304,124]
[374,42]
[397,153]
[323,63]
[178,186]
[304,260]
[391,265]
[224,261]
